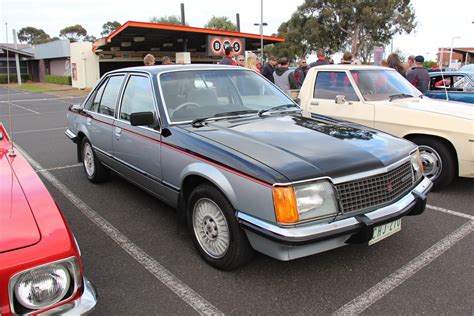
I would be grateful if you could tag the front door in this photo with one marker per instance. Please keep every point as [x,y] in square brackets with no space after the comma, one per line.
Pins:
[137,149]
[330,84]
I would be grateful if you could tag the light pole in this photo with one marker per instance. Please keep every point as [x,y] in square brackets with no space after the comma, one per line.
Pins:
[451,52]
[261,24]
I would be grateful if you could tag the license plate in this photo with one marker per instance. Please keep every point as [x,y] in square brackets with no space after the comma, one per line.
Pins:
[386,230]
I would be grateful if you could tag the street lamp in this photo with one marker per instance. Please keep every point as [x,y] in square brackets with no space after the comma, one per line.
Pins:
[261,24]
[451,52]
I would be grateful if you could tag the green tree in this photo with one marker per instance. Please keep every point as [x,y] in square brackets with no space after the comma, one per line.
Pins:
[33,36]
[73,33]
[360,21]
[220,23]
[109,27]
[89,38]
[171,19]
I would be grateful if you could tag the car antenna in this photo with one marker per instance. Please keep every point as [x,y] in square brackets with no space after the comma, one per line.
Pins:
[11,152]
[444,83]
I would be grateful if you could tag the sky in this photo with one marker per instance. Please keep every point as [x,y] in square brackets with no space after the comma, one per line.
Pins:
[438,21]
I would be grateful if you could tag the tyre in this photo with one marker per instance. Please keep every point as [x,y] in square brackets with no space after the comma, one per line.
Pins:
[439,163]
[95,171]
[215,230]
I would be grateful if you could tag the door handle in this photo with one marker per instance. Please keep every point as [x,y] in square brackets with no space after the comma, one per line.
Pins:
[118,131]
[314,102]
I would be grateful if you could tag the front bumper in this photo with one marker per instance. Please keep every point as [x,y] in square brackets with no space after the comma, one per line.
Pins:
[71,135]
[286,243]
[82,306]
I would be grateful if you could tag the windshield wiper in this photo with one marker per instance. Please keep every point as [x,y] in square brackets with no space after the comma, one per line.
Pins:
[399,96]
[279,108]
[199,122]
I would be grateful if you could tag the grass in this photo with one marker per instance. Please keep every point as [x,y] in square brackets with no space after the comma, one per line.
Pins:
[32,88]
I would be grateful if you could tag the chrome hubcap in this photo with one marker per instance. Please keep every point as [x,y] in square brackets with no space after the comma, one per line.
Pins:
[210,228]
[432,164]
[88,159]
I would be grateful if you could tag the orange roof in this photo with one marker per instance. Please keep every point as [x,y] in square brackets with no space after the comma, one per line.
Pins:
[191,29]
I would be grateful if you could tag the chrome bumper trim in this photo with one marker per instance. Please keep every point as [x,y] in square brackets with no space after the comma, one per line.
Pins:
[84,305]
[311,233]
[71,135]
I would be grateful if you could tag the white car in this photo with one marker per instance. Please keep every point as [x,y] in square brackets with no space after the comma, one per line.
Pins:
[379,97]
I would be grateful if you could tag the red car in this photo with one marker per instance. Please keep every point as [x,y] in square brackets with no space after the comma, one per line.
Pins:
[40,262]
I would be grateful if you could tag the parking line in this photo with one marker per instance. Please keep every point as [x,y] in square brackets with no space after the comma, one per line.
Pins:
[443,210]
[43,99]
[183,291]
[43,113]
[22,107]
[59,168]
[372,295]
[40,130]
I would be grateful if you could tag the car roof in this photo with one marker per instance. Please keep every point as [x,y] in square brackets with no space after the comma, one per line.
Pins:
[351,67]
[157,69]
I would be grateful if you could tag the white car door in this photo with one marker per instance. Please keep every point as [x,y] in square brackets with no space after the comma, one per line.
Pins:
[331,84]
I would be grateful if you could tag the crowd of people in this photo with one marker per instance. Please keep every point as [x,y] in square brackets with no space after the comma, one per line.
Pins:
[279,73]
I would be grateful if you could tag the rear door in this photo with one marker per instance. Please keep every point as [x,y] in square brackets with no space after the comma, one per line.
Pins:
[137,149]
[101,116]
[327,86]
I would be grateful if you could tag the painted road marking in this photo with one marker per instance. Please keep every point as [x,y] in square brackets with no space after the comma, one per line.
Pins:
[15,115]
[41,130]
[375,293]
[60,168]
[43,99]
[22,107]
[440,209]
[183,291]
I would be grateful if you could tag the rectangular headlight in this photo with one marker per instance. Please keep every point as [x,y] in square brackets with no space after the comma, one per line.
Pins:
[304,202]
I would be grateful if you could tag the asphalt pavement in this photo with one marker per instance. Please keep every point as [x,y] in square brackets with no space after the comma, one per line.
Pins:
[140,265]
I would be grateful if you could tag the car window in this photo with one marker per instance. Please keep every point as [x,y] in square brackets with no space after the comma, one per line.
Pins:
[109,96]
[138,97]
[93,105]
[330,84]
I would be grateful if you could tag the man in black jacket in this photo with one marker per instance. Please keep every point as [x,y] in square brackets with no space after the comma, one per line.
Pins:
[418,76]
[269,68]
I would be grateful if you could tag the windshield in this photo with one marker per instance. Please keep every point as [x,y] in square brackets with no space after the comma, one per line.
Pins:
[377,84]
[195,94]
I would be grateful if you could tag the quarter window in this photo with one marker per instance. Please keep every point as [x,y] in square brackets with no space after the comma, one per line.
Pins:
[138,97]
[109,96]
[330,84]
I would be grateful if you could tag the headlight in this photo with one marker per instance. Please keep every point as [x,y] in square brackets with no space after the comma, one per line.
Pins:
[304,202]
[42,287]
[45,286]
[417,165]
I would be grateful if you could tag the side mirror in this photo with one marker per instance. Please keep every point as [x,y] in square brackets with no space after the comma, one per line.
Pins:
[142,118]
[340,99]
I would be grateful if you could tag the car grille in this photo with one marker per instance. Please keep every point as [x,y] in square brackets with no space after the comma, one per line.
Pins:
[375,191]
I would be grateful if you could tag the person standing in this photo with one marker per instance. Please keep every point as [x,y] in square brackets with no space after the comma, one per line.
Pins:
[300,72]
[409,64]
[284,77]
[165,60]
[419,76]
[346,58]
[321,59]
[251,62]
[241,60]
[149,60]
[229,57]
[394,62]
[269,69]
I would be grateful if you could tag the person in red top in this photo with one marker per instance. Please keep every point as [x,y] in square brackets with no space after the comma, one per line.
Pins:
[229,57]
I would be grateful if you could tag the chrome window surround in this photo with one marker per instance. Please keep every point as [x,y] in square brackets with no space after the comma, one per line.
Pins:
[69,263]
[204,69]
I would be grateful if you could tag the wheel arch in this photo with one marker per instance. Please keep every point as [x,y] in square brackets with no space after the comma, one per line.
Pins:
[445,141]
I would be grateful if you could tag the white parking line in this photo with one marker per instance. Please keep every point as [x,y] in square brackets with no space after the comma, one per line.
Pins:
[43,99]
[183,291]
[22,107]
[443,210]
[43,113]
[40,130]
[59,168]
[369,297]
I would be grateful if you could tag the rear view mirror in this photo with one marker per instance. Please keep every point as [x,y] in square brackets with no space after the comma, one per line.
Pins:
[142,118]
[340,99]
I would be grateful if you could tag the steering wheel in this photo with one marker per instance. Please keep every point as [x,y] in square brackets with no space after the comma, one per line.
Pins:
[185,105]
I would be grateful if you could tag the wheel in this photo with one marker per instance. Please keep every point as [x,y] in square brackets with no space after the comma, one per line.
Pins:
[95,171]
[215,230]
[438,161]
